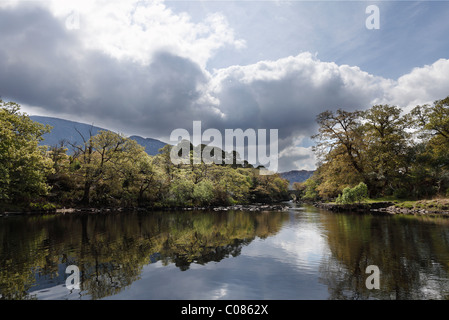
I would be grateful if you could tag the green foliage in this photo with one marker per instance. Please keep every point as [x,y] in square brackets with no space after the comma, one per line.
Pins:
[310,192]
[108,169]
[353,195]
[42,206]
[24,165]
[377,147]
[181,192]
[203,193]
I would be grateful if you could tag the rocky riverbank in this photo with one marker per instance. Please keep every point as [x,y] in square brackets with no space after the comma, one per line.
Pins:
[413,211]
[355,207]
[237,207]
[240,207]
[382,207]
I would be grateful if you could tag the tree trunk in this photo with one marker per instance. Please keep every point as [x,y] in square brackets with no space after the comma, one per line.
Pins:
[86,194]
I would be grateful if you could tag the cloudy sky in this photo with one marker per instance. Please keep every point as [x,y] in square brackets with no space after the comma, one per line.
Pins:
[149,67]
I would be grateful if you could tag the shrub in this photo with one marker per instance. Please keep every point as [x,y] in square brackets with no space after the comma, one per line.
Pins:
[351,195]
[203,192]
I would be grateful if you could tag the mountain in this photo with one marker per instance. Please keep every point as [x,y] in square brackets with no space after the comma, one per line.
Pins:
[296,176]
[151,145]
[70,131]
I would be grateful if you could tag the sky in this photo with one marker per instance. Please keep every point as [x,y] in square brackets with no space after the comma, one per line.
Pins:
[149,67]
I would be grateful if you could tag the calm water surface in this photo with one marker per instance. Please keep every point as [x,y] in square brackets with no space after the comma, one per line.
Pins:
[300,254]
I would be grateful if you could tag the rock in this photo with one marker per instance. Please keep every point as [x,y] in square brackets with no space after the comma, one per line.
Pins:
[252,208]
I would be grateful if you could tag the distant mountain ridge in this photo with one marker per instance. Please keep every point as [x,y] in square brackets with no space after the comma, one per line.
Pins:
[70,131]
[296,176]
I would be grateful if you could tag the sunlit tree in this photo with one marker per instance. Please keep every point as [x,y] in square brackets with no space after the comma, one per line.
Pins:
[24,165]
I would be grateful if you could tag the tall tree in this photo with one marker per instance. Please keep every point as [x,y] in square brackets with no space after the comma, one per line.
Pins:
[386,140]
[102,158]
[432,123]
[434,120]
[24,165]
[340,151]
[341,131]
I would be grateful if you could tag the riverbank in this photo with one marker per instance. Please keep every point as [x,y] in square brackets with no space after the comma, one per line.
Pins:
[355,207]
[258,207]
[436,207]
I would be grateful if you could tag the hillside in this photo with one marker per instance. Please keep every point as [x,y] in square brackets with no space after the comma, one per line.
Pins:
[152,146]
[296,176]
[70,131]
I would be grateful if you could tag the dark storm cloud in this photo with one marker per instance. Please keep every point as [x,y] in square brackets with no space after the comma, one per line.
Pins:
[43,64]
[33,54]
[157,98]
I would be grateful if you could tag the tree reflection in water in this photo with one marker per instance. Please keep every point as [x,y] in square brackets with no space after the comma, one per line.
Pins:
[111,249]
[411,252]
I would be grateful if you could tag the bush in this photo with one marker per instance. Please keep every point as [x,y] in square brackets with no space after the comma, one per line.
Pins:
[42,206]
[351,195]
[203,193]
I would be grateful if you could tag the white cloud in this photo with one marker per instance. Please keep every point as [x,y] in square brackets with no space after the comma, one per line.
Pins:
[422,85]
[294,157]
[136,30]
[288,93]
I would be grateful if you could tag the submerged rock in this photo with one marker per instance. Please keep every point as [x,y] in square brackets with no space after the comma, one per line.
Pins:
[252,207]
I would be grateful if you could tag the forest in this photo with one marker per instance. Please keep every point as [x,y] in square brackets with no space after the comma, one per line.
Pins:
[111,170]
[381,151]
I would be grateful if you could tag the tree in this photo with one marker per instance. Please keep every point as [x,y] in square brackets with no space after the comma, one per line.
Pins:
[24,165]
[342,132]
[60,180]
[203,192]
[369,146]
[299,188]
[386,148]
[181,191]
[106,165]
[340,152]
[433,120]
[431,170]
[310,191]
[269,187]
[335,174]
[144,177]
[83,155]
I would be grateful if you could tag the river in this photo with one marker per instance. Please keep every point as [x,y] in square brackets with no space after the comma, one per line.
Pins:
[300,254]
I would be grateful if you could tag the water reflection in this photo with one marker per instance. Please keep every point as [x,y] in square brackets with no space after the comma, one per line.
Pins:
[412,254]
[301,254]
[110,250]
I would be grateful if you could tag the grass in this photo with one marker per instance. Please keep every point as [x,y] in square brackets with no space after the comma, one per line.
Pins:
[383,199]
[436,204]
